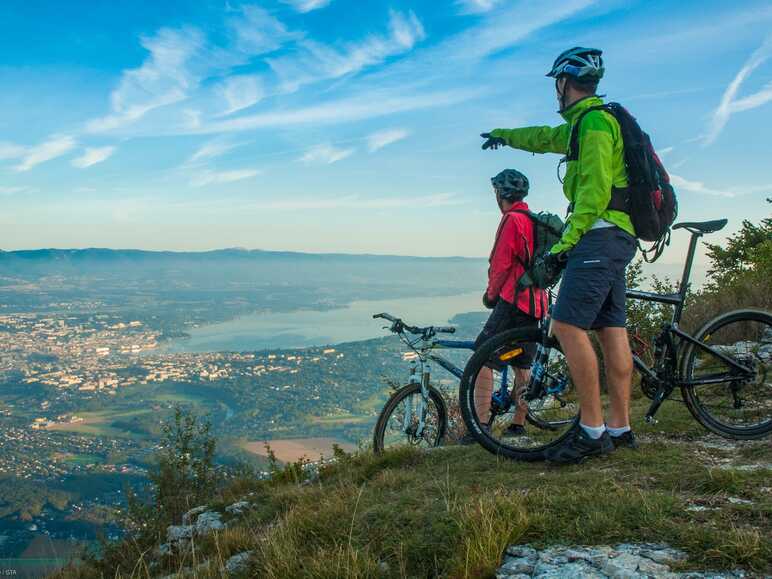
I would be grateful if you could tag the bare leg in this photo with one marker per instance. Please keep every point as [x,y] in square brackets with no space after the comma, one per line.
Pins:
[483,390]
[619,373]
[522,376]
[583,364]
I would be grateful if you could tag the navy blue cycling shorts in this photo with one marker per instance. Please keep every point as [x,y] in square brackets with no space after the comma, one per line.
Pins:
[592,292]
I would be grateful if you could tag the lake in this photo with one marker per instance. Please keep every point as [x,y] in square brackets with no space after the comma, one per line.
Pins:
[301,329]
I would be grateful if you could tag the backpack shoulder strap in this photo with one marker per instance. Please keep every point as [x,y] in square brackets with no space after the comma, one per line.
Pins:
[523,212]
[499,231]
[532,217]
[573,144]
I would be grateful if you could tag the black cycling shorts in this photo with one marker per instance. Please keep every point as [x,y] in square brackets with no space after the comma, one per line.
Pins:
[506,316]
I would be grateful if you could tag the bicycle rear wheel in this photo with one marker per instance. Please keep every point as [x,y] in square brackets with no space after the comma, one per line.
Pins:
[551,411]
[736,405]
[409,419]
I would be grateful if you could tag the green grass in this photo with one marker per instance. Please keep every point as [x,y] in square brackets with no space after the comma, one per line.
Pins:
[451,512]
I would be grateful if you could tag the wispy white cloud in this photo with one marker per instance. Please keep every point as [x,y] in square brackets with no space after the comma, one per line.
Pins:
[92,156]
[358,202]
[362,106]
[304,6]
[8,191]
[241,92]
[211,150]
[476,6]
[181,58]
[11,150]
[55,146]
[257,31]
[208,177]
[165,78]
[316,61]
[510,26]
[699,187]
[327,154]
[729,104]
[386,137]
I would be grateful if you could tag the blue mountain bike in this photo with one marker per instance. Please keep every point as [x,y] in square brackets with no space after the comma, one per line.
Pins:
[416,414]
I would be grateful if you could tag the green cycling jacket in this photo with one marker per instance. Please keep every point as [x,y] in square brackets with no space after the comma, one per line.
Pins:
[588,181]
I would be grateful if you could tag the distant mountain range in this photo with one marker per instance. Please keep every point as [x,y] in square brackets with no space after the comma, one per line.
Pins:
[102,255]
[241,267]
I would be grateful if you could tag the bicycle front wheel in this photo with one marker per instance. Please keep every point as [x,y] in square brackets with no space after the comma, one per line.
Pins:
[410,419]
[493,397]
[731,402]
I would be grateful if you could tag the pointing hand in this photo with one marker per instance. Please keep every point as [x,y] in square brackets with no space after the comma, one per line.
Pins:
[492,142]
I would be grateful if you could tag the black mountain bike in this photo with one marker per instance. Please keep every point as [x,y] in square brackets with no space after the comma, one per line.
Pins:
[723,372]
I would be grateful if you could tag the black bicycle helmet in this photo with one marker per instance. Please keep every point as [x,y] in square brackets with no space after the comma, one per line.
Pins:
[578,62]
[510,185]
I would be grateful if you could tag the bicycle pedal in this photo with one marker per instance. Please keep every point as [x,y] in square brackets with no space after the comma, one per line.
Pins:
[651,420]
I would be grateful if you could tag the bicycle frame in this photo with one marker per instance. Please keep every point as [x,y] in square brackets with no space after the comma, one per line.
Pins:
[444,362]
[424,354]
[669,353]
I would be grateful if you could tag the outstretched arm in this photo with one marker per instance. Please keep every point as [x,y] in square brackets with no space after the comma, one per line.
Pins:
[533,139]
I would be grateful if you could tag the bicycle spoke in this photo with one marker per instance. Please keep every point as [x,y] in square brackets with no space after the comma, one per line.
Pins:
[738,400]
[413,422]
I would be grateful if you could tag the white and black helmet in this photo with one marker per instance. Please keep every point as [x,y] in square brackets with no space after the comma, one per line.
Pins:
[580,63]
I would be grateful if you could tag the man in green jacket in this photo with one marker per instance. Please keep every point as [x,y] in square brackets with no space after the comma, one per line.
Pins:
[595,248]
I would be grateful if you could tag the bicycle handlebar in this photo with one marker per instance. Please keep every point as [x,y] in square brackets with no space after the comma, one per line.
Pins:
[444,329]
[386,316]
[398,326]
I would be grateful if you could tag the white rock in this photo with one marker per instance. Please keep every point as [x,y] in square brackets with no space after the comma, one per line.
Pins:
[518,566]
[624,565]
[189,517]
[237,563]
[649,567]
[522,551]
[208,522]
[738,501]
[237,508]
[177,533]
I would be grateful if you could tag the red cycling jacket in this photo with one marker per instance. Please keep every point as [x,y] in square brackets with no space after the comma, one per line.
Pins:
[513,248]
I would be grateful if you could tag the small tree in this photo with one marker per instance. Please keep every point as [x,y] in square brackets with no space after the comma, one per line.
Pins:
[740,270]
[744,254]
[645,319]
[185,476]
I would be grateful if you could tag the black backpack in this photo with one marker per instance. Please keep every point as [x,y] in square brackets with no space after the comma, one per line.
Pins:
[649,198]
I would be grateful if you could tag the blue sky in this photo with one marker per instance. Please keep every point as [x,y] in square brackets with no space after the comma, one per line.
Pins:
[351,125]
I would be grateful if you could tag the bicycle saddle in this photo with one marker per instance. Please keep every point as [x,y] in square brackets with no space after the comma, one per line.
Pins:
[702,226]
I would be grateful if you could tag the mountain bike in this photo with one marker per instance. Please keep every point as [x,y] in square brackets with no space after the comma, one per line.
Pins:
[417,414]
[722,371]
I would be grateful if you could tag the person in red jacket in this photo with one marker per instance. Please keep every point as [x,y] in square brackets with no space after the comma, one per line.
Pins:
[512,250]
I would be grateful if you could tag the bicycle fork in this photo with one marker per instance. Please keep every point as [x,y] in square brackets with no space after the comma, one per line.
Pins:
[420,412]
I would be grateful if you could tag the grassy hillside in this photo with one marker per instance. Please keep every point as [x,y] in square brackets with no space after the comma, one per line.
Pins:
[452,511]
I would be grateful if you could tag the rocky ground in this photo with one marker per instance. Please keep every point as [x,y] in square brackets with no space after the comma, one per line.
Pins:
[626,560]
